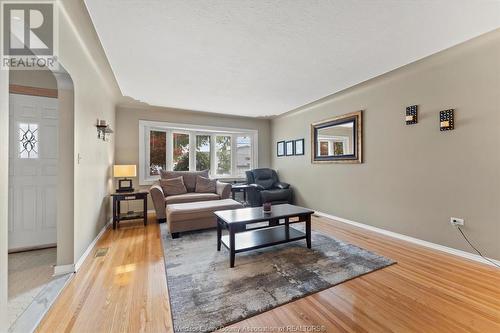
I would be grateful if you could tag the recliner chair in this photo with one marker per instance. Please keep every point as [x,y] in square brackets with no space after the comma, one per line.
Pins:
[266,187]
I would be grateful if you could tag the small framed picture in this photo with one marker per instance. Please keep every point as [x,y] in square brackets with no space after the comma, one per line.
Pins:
[299,147]
[280,148]
[289,151]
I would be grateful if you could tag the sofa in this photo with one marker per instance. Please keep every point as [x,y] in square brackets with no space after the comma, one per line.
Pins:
[265,186]
[160,200]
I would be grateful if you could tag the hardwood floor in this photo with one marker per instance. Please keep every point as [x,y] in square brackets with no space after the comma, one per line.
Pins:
[426,291]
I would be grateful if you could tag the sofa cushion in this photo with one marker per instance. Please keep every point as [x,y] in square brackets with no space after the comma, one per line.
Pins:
[199,210]
[188,176]
[173,186]
[190,197]
[205,185]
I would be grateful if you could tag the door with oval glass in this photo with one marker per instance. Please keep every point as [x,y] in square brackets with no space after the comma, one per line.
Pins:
[33,158]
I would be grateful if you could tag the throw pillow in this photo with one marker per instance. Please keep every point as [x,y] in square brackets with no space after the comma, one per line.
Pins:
[205,185]
[173,186]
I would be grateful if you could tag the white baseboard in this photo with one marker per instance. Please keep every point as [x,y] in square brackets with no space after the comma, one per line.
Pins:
[85,254]
[63,269]
[73,268]
[413,240]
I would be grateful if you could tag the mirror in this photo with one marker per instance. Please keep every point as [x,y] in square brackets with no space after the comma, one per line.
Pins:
[337,140]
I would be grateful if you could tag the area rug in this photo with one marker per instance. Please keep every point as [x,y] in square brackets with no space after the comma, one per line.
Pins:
[205,294]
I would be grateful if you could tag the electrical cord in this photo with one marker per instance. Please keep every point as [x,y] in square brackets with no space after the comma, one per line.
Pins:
[478,252]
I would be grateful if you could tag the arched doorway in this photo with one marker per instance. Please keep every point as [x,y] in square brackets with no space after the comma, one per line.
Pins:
[41,191]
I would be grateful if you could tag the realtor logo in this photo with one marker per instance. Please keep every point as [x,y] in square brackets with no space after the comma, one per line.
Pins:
[28,35]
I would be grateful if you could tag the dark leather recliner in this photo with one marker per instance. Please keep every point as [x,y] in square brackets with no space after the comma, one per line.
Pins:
[266,187]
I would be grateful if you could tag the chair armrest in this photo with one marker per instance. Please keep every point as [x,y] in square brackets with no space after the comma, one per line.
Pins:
[281,185]
[256,187]
[223,189]
[158,198]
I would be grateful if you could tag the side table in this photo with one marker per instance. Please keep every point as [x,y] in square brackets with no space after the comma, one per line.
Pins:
[126,196]
[240,188]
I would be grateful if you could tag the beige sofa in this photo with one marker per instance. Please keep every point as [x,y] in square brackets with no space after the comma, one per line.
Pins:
[160,201]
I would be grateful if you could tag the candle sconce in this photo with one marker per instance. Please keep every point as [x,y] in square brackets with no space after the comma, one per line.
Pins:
[103,130]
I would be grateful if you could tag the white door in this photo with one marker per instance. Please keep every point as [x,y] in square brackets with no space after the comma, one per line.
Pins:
[33,159]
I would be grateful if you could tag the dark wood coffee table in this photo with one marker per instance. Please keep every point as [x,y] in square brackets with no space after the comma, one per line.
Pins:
[241,238]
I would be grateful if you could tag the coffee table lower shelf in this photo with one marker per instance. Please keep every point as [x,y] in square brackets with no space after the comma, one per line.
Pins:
[256,239]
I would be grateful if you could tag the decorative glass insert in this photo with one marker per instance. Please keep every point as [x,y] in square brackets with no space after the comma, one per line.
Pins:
[28,140]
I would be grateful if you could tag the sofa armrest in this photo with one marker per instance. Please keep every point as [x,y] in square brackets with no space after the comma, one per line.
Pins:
[281,185]
[158,198]
[223,190]
[256,187]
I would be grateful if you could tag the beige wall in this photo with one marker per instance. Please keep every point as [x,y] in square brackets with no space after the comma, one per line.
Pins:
[414,178]
[66,171]
[96,94]
[38,78]
[127,130]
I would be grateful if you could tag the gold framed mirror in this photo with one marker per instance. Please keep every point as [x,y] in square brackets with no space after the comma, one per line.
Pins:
[338,139]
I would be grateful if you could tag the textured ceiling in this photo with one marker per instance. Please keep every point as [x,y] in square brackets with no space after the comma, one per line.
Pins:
[263,58]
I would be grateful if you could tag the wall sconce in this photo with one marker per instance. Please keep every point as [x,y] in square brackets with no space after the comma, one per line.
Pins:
[103,130]
[411,115]
[447,120]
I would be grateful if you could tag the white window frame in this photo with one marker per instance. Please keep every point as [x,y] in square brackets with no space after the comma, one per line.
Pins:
[145,126]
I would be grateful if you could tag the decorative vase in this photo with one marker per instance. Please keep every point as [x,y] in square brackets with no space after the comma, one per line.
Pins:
[267,207]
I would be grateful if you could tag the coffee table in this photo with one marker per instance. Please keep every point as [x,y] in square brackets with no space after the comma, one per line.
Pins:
[240,238]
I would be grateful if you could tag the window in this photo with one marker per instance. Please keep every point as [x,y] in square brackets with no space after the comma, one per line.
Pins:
[223,153]
[226,152]
[181,152]
[157,152]
[28,140]
[243,154]
[203,152]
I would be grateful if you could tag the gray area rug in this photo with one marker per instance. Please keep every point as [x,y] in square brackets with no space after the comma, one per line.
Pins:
[205,294]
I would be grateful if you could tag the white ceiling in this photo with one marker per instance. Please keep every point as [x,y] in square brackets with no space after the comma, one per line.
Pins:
[263,57]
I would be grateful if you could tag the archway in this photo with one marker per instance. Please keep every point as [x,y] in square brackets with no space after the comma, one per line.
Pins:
[59,85]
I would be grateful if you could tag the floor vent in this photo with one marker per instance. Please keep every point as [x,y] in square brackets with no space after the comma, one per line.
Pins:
[101,252]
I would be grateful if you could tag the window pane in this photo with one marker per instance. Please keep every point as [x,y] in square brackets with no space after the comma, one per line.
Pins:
[223,153]
[28,140]
[202,152]
[181,152]
[157,152]
[243,154]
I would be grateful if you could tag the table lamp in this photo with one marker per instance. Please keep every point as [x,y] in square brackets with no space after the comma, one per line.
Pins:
[124,172]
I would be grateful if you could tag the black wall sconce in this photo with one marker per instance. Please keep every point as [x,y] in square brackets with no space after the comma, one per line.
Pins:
[447,120]
[103,130]
[411,115]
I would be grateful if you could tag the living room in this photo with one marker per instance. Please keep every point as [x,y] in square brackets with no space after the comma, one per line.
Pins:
[271,166]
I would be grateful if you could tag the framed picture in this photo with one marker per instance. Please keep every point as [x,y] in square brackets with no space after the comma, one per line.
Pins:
[289,151]
[280,148]
[299,147]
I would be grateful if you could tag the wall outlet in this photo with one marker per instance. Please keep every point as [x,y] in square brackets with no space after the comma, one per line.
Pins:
[456,221]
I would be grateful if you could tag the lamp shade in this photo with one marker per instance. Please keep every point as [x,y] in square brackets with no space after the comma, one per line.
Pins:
[123,171]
